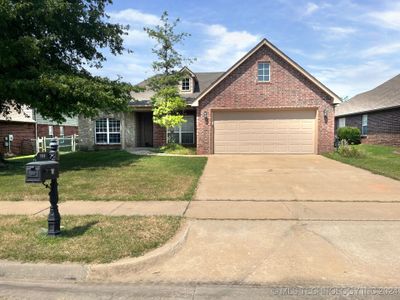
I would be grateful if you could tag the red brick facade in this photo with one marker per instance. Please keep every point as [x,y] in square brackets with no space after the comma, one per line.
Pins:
[159,136]
[287,89]
[23,134]
[43,130]
[383,126]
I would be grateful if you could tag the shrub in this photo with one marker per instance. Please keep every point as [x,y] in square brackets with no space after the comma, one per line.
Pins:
[347,150]
[351,134]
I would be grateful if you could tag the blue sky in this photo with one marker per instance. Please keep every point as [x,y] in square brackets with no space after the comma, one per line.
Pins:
[351,46]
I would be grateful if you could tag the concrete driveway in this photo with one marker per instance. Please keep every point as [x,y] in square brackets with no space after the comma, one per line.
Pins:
[281,253]
[291,178]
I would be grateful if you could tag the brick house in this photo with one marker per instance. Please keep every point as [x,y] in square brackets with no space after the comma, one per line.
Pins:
[376,113]
[49,128]
[22,127]
[26,126]
[265,103]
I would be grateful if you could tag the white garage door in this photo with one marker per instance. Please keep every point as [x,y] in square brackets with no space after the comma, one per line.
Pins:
[264,132]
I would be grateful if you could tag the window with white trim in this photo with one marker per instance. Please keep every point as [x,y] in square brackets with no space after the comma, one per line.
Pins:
[263,72]
[183,134]
[342,122]
[364,125]
[108,131]
[185,87]
[51,131]
[61,131]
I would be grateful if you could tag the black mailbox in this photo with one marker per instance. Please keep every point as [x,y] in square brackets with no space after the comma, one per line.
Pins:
[40,171]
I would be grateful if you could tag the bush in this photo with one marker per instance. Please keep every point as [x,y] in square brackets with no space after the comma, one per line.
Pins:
[351,134]
[347,150]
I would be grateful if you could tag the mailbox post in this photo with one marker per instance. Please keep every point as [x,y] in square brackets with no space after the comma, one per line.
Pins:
[46,168]
[54,219]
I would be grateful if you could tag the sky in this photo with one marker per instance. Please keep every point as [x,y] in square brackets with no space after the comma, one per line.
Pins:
[350,46]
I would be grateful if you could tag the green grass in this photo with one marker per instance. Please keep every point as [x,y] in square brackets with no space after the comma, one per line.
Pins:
[176,149]
[108,175]
[87,239]
[381,160]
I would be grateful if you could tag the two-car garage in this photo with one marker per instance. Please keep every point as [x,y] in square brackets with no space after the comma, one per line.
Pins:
[285,131]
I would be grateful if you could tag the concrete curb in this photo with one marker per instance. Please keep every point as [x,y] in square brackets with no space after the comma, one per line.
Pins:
[84,272]
[42,271]
[119,268]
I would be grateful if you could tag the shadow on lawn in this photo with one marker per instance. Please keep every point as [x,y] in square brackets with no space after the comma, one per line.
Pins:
[78,230]
[77,161]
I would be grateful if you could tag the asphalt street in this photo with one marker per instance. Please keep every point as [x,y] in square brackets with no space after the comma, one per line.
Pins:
[76,291]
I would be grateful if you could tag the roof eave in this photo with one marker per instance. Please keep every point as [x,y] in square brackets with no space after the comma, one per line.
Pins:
[367,111]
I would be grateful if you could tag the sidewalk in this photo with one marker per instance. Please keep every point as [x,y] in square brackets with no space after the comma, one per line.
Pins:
[219,210]
[111,208]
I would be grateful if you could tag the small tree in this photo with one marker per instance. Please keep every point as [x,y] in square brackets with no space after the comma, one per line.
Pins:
[168,105]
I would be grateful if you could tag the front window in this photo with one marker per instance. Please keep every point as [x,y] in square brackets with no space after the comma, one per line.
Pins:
[108,131]
[263,72]
[342,122]
[183,134]
[185,84]
[364,125]
[61,131]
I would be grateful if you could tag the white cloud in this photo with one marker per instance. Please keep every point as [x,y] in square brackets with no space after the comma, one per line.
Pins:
[387,19]
[349,80]
[130,67]
[382,50]
[310,8]
[224,47]
[136,37]
[134,16]
[334,32]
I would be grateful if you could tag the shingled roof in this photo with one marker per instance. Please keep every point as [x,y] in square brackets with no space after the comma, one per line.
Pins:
[203,81]
[384,96]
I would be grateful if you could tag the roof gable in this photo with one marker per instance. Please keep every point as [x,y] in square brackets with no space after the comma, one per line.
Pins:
[187,71]
[265,42]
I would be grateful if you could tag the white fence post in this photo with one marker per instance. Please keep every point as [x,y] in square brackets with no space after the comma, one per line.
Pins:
[73,142]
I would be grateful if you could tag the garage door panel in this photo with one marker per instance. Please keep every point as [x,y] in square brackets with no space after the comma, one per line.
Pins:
[264,132]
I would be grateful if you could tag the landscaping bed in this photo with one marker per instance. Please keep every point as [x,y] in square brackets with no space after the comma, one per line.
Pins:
[176,149]
[108,175]
[85,239]
[383,160]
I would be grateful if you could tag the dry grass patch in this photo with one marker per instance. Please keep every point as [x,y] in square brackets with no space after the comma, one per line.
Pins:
[88,239]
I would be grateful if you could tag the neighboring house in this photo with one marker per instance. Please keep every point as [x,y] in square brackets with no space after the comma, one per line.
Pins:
[22,127]
[26,126]
[49,128]
[376,113]
[265,103]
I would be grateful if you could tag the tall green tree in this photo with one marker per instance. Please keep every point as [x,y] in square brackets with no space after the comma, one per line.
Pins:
[46,50]
[168,105]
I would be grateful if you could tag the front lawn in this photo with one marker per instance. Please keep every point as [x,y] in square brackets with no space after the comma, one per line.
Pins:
[86,239]
[108,175]
[381,160]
